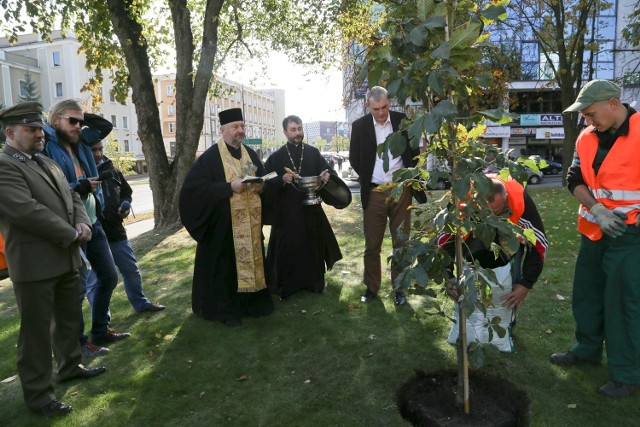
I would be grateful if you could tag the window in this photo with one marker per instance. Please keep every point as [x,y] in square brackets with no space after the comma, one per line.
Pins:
[59,92]
[125,124]
[111,97]
[172,127]
[126,146]
[114,120]
[171,109]
[170,90]
[56,59]
[23,89]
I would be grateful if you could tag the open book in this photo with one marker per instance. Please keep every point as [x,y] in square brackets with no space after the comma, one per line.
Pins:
[254,179]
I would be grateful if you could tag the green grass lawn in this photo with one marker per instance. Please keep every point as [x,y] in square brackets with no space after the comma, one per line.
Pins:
[319,360]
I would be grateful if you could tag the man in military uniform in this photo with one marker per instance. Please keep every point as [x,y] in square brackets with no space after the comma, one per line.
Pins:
[43,224]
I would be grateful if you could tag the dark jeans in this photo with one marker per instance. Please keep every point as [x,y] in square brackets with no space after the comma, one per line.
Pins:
[101,262]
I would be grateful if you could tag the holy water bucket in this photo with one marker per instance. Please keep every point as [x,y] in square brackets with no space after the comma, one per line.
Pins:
[309,185]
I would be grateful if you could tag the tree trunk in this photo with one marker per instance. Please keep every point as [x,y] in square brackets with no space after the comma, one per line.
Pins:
[166,179]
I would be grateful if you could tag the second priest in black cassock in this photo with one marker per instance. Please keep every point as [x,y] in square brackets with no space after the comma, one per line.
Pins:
[302,242]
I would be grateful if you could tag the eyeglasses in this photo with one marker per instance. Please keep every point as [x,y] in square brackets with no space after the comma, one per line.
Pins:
[74,121]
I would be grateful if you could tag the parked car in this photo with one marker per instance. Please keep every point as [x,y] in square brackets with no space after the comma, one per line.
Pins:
[553,168]
[532,176]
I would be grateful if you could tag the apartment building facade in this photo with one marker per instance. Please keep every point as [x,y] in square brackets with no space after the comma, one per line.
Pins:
[263,112]
[59,73]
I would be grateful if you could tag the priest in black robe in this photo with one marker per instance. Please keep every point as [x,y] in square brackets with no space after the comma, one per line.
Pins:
[302,242]
[223,214]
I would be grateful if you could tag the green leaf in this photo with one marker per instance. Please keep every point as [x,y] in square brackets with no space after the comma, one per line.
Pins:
[499,330]
[416,131]
[397,143]
[461,187]
[446,109]
[442,52]
[432,123]
[498,115]
[484,80]
[435,82]
[476,355]
[418,36]
[493,13]
[393,87]
[465,35]
[435,22]
[530,235]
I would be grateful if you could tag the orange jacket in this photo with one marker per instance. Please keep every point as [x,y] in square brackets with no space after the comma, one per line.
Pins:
[617,185]
[3,261]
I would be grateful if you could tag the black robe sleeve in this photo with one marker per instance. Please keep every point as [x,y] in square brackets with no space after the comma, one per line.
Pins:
[204,194]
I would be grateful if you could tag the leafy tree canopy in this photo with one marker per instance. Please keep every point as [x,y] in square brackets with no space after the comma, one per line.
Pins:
[128,39]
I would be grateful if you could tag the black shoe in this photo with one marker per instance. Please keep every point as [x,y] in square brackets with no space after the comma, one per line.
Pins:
[616,390]
[53,409]
[400,299]
[85,373]
[566,358]
[368,296]
[110,337]
[153,307]
[233,323]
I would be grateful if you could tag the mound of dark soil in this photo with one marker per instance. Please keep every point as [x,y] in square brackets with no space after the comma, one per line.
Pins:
[429,400]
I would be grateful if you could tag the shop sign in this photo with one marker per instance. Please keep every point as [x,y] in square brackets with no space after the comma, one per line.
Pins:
[523,131]
[551,119]
[530,119]
[550,133]
[497,132]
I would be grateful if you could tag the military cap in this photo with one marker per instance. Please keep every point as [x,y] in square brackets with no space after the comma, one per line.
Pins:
[594,91]
[230,115]
[25,114]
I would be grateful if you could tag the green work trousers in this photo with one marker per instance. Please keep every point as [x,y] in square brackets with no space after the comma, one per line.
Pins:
[606,303]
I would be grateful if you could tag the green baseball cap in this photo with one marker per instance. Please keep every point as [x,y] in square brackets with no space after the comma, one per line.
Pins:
[594,91]
[25,114]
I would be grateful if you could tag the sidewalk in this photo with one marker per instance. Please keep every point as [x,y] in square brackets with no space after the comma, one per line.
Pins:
[137,228]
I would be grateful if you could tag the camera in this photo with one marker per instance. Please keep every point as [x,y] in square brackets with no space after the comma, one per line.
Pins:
[105,175]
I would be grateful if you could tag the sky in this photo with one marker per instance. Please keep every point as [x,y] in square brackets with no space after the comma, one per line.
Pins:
[312,95]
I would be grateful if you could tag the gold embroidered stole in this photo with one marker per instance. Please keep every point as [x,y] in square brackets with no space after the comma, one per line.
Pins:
[246,224]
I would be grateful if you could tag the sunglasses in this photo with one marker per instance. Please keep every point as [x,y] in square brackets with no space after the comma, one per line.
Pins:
[73,121]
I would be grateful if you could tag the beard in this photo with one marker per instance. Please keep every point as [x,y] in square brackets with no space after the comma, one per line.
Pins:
[297,140]
[67,137]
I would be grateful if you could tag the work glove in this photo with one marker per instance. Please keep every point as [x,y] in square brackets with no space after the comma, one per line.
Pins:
[610,221]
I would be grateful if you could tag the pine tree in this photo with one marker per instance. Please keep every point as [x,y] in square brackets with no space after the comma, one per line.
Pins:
[30,89]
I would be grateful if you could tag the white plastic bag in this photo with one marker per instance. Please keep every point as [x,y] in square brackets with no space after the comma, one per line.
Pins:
[477,329]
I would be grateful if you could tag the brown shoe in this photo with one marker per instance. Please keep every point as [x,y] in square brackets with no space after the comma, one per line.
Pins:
[110,337]
[616,390]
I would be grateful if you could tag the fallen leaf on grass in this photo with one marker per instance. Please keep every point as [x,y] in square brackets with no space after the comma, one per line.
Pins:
[549,331]
[75,393]
[307,382]
[167,337]
[201,394]
[352,306]
[303,311]
[372,336]
[572,406]
[243,377]
[158,336]
[560,297]
[370,355]
[8,380]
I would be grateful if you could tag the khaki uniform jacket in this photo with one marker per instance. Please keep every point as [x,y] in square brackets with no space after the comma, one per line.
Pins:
[37,218]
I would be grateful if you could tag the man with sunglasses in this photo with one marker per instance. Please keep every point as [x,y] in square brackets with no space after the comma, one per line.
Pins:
[65,147]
